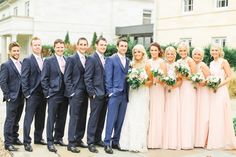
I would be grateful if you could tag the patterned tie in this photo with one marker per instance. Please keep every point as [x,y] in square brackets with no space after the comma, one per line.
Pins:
[123,61]
[102,58]
[83,60]
[62,64]
[40,63]
[18,66]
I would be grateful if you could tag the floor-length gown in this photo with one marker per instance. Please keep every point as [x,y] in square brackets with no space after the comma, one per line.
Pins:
[221,132]
[202,112]
[171,133]
[157,100]
[187,111]
[135,127]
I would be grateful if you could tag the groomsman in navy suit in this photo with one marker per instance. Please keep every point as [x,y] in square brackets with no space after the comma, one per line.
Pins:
[32,90]
[78,98]
[95,84]
[116,70]
[52,81]
[12,94]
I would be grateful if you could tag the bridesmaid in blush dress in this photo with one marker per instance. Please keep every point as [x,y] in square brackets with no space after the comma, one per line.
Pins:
[187,100]
[221,132]
[157,100]
[171,134]
[203,100]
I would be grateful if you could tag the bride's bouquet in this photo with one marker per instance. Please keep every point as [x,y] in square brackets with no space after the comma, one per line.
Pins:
[182,69]
[213,82]
[170,81]
[136,77]
[196,78]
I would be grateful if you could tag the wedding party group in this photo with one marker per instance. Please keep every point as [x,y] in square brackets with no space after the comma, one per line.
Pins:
[140,104]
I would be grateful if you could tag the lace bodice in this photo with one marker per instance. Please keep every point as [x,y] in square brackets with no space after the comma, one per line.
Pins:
[171,69]
[199,69]
[156,63]
[185,62]
[216,68]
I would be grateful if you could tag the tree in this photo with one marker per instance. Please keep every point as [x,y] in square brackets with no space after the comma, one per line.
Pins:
[94,40]
[67,38]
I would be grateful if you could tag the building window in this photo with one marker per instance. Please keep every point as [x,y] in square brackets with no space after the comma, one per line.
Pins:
[15,11]
[27,8]
[187,5]
[147,14]
[187,40]
[219,40]
[221,3]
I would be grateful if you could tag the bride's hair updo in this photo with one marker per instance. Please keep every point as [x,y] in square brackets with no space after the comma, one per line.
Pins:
[142,49]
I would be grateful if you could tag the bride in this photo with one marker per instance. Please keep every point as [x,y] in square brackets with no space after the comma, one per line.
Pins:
[135,127]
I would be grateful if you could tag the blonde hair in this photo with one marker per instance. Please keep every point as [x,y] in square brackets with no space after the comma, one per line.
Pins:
[219,48]
[170,48]
[141,48]
[183,44]
[198,49]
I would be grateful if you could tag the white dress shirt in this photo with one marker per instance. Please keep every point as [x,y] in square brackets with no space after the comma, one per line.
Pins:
[82,58]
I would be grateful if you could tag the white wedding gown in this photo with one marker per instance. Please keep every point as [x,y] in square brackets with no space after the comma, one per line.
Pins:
[135,127]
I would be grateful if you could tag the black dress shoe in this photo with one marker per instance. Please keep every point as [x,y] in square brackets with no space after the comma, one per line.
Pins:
[108,150]
[73,149]
[28,147]
[11,148]
[116,146]
[60,142]
[82,144]
[92,148]
[51,148]
[42,142]
[100,144]
[17,142]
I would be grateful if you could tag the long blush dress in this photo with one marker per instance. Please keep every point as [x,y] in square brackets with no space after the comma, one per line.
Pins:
[157,101]
[221,132]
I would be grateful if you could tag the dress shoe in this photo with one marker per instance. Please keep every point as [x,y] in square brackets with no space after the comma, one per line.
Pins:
[28,147]
[82,144]
[92,148]
[51,148]
[108,150]
[42,142]
[116,146]
[17,142]
[11,148]
[60,142]
[73,149]
[100,144]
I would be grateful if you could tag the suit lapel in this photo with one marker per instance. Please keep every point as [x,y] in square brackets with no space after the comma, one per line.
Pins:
[35,63]
[14,67]
[55,62]
[78,62]
[119,61]
[98,59]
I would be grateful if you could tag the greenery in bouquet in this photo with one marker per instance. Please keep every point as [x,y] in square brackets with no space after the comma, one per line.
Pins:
[170,81]
[196,78]
[213,82]
[136,77]
[158,73]
[182,69]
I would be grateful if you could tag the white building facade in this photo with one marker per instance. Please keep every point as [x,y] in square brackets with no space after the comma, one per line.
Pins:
[199,22]
[20,20]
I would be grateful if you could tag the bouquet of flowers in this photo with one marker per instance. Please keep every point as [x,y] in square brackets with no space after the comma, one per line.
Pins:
[158,73]
[196,78]
[213,82]
[182,69]
[170,81]
[136,77]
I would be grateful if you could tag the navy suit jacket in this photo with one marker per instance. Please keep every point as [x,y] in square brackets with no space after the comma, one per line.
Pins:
[74,76]
[116,75]
[51,77]
[10,80]
[30,75]
[94,76]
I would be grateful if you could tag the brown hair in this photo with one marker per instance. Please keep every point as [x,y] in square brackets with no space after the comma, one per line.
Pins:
[13,44]
[155,44]
[58,41]
[120,40]
[34,38]
[99,39]
[82,38]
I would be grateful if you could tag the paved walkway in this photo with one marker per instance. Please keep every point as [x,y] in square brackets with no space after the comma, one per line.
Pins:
[41,151]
